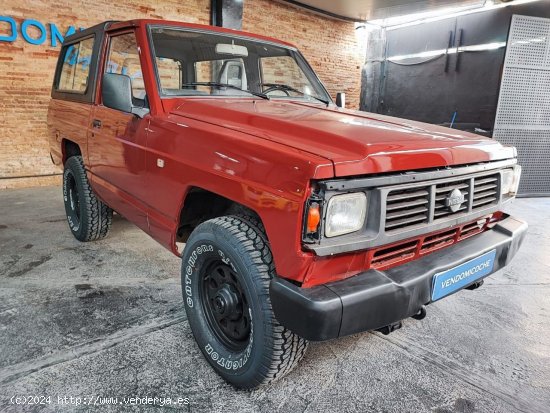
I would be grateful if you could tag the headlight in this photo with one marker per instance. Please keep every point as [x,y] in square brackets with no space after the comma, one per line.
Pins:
[510,181]
[345,213]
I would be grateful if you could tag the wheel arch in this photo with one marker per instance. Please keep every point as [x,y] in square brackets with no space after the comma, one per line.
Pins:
[200,205]
[69,148]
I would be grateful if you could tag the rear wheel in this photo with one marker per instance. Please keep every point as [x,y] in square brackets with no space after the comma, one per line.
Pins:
[89,219]
[226,270]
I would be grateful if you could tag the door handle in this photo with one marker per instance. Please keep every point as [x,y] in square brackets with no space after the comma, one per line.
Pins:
[96,123]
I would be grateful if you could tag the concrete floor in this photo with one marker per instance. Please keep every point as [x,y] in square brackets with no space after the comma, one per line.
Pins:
[106,319]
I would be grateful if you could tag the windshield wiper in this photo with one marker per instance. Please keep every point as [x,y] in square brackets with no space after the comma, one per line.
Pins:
[291,89]
[221,85]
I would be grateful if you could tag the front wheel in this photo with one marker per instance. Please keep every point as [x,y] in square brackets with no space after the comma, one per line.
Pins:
[226,269]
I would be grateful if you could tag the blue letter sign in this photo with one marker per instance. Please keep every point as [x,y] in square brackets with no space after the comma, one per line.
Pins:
[39,26]
[56,35]
[13,27]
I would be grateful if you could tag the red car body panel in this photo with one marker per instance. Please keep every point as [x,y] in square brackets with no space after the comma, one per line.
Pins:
[262,154]
[356,142]
[67,119]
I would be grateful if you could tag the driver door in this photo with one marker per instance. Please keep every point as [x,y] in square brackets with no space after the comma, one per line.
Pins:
[117,141]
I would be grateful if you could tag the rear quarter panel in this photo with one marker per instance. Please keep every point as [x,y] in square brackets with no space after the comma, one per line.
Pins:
[67,120]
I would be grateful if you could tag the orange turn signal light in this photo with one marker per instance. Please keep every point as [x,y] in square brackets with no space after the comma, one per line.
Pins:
[313,218]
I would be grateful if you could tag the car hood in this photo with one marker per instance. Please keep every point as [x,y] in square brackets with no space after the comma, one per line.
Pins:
[356,142]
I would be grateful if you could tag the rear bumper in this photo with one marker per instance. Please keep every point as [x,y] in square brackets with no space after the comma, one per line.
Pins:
[374,299]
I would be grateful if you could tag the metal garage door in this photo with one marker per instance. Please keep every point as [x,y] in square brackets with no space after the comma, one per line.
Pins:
[523,112]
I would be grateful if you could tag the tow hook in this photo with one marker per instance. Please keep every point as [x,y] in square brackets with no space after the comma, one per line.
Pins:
[421,313]
[390,328]
[396,326]
[475,285]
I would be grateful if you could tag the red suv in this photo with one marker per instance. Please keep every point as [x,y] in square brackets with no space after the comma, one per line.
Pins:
[301,220]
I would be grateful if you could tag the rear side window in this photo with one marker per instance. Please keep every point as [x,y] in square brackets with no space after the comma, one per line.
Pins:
[75,70]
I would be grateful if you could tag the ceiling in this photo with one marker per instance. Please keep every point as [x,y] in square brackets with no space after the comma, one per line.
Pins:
[362,10]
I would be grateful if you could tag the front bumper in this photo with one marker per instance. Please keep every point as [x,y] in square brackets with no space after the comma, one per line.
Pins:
[374,299]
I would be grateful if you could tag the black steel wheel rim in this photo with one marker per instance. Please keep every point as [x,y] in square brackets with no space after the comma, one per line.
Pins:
[225,305]
[72,193]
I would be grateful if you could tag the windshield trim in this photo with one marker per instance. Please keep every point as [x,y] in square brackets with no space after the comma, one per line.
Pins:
[151,27]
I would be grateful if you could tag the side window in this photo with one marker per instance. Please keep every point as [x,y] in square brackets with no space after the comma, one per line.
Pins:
[170,73]
[75,70]
[124,60]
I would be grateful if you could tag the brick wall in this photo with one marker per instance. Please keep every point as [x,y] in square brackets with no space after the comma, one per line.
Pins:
[26,70]
[26,73]
[330,46]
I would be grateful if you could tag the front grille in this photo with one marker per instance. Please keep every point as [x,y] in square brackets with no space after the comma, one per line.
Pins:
[437,241]
[441,193]
[472,228]
[485,191]
[419,204]
[407,207]
[397,253]
[388,257]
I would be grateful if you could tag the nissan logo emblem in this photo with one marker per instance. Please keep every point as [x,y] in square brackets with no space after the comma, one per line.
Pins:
[454,200]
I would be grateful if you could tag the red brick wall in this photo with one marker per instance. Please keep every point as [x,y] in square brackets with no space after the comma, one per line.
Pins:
[26,73]
[26,70]
[330,46]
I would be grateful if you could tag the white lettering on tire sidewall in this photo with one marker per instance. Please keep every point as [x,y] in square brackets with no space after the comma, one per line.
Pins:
[227,361]
[190,267]
[74,226]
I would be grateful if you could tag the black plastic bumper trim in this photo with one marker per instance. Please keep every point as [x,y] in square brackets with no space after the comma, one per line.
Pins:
[374,299]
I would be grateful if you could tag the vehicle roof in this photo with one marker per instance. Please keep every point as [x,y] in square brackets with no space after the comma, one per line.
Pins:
[89,31]
[114,25]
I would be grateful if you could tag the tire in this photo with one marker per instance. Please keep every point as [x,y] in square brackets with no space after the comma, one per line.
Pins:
[226,269]
[89,219]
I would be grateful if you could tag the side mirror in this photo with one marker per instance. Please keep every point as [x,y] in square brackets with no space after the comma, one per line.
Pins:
[341,100]
[116,93]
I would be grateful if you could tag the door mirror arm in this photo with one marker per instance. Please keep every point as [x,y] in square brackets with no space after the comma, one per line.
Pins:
[139,111]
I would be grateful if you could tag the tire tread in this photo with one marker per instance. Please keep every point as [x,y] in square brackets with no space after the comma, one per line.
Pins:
[98,215]
[285,348]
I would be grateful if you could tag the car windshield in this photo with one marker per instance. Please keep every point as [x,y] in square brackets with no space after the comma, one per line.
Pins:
[197,63]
